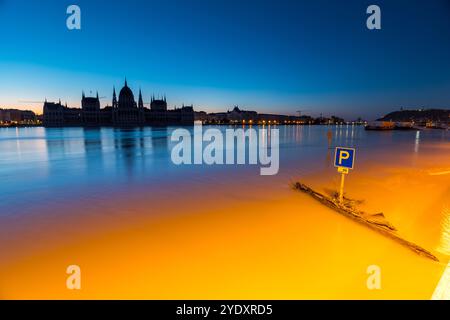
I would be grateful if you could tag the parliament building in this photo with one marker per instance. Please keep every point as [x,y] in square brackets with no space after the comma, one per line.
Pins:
[123,112]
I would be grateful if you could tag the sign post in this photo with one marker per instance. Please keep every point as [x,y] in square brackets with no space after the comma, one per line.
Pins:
[344,159]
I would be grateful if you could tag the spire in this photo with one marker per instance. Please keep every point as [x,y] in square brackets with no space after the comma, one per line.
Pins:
[114,99]
[82,94]
[126,84]
[141,102]
[97,94]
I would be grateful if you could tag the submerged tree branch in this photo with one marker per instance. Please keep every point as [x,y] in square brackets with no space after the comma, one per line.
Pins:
[374,221]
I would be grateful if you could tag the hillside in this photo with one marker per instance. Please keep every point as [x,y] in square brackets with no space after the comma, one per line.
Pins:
[423,115]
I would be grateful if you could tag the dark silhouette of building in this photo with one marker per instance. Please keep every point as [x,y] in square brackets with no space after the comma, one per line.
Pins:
[126,112]
[17,117]
[56,115]
[249,117]
[90,110]
[158,110]
[123,112]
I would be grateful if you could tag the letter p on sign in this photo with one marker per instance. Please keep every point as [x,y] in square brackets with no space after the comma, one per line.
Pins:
[344,157]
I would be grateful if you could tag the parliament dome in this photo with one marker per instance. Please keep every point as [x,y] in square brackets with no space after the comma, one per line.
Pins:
[126,97]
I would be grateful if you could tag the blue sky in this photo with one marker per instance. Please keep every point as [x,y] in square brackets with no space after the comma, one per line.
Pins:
[270,56]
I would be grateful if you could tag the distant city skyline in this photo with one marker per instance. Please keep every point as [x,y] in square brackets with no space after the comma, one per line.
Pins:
[268,56]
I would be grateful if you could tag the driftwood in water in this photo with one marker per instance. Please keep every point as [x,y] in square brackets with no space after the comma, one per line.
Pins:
[373,221]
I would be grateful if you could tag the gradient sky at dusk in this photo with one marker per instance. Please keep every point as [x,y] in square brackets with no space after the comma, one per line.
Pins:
[270,56]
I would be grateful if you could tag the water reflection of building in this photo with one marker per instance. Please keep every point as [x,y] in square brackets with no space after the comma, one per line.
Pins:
[92,139]
[136,146]
[123,112]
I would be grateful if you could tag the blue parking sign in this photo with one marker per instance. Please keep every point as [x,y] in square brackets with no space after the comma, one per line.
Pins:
[344,157]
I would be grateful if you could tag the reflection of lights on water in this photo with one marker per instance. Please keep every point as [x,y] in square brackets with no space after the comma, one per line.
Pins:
[416,144]
[18,144]
[298,133]
[444,243]
[442,291]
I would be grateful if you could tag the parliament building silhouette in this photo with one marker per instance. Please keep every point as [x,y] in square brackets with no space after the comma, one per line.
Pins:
[123,112]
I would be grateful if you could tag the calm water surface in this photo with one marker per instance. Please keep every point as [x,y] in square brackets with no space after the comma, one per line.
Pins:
[38,165]
[228,229]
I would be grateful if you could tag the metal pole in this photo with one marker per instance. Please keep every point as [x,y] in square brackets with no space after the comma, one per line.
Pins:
[341,191]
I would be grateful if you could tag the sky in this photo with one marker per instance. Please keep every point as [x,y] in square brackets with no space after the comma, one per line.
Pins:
[275,56]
